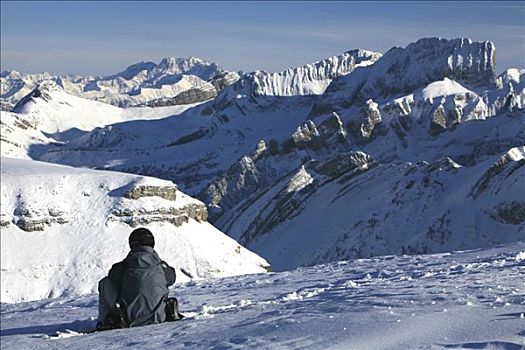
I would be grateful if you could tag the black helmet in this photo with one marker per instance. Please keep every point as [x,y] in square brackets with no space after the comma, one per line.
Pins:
[141,236]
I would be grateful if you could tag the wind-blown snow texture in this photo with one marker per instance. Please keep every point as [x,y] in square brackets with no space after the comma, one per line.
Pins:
[467,300]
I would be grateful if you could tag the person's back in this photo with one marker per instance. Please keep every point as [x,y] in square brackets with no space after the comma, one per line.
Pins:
[137,287]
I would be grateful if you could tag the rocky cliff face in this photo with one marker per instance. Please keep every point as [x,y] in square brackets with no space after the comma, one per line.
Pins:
[310,79]
[140,205]
[403,70]
[139,190]
[29,218]
[225,79]
[257,172]
[350,207]
[134,214]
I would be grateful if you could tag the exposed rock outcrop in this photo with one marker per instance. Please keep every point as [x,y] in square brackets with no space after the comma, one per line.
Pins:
[194,95]
[142,190]
[136,208]
[225,79]
[299,181]
[306,132]
[438,122]
[189,96]
[330,133]
[176,216]
[344,163]
[33,219]
[511,212]
[504,167]
[372,117]
[362,128]
[405,70]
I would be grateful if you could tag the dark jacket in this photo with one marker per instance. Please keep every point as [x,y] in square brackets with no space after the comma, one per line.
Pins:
[142,281]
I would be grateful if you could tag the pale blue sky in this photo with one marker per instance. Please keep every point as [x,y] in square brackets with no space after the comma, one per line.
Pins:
[100,38]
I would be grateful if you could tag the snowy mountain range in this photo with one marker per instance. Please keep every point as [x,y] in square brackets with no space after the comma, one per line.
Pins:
[181,81]
[173,81]
[418,150]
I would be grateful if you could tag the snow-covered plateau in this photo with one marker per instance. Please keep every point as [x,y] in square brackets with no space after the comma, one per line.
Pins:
[63,228]
[458,300]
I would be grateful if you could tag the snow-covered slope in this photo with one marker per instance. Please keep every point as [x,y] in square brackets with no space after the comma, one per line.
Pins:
[461,300]
[52,110]
[49,115]
[192,147]
[348,206]
[63,228]
[19,138]
[173,81]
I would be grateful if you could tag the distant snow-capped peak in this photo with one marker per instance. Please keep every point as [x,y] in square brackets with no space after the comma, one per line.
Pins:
[172,81]
[169,66]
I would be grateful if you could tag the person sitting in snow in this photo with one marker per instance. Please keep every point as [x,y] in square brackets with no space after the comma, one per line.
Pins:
[135,292]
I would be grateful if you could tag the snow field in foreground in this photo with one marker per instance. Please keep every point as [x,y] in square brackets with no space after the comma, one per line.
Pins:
[472,300]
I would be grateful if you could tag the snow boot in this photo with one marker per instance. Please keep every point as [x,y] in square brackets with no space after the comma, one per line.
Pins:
[116,319]
[172,310]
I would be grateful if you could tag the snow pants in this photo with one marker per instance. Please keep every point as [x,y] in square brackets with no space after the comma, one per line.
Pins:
[107,297]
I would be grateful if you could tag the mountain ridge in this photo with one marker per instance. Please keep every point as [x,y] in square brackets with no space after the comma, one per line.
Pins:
[262,160]
[137,85]
[172,81]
